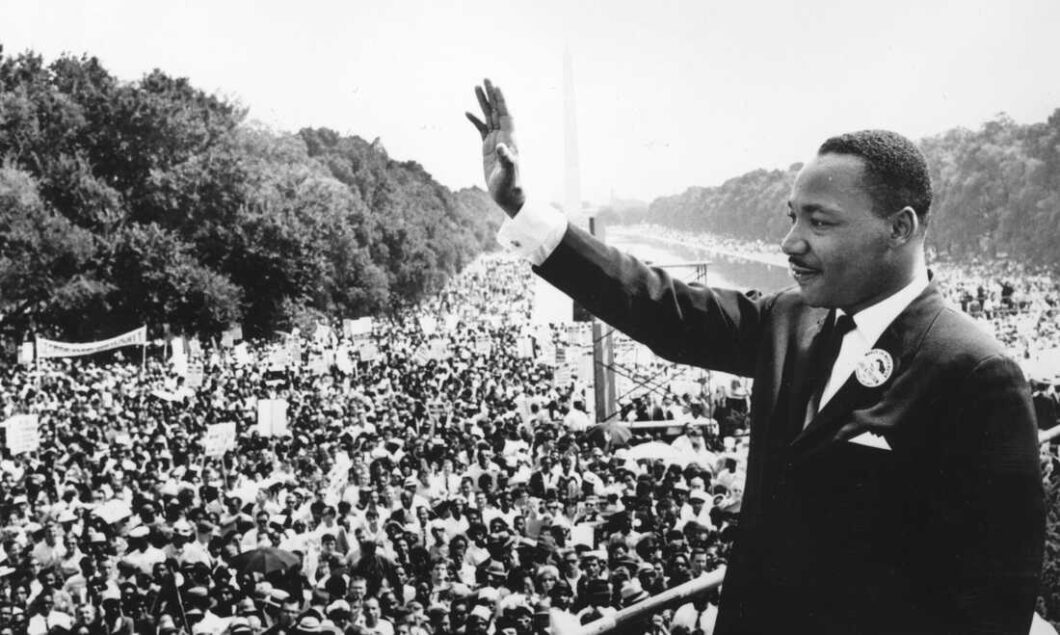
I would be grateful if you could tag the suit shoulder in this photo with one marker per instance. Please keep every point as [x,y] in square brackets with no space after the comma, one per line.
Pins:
[958,341]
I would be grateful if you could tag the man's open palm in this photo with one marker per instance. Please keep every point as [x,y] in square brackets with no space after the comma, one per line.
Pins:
[500,162]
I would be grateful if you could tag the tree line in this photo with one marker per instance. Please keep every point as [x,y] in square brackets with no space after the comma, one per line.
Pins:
[124,203]
[997,194]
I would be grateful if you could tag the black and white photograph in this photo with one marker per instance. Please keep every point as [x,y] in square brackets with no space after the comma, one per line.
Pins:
[460,317]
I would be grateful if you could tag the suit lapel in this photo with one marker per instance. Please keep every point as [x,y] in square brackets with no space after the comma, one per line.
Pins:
[900,340]
[806,343]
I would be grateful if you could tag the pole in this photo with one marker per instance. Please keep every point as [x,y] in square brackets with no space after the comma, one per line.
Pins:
[603,357]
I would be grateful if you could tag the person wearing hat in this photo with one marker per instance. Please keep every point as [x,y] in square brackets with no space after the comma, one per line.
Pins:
[873,400]
[142,554]
[438,619]
[112,616]
[496,575]
[198,550]
[307,625]
[692,444]
[695,510]
[651,578]
[596,601]
[340,613]
[478,621]
[522,617]
[632,592]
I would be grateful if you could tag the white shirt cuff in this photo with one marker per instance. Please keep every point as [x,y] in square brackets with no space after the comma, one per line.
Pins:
[534,233]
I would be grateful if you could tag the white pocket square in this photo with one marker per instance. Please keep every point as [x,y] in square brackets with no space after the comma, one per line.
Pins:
[871,440]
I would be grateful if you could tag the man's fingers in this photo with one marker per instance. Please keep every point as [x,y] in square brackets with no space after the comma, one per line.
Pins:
[475,121]
[483,103]
[491,97]
[506,155]
[499,106]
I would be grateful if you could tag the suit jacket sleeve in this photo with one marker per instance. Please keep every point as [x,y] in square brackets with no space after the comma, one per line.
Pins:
[687,323]
[990,514]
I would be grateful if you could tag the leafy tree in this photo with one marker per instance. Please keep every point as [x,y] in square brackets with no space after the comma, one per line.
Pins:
[152,201]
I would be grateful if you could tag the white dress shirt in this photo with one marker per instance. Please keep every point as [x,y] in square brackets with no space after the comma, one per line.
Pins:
[870,324]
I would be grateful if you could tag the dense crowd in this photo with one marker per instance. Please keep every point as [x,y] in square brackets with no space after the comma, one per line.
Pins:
[443,478]
[434,473]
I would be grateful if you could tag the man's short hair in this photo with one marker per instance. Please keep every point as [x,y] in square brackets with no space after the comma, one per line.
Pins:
[896,171]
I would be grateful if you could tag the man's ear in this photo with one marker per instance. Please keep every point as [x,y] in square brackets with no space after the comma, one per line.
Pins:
[905,225]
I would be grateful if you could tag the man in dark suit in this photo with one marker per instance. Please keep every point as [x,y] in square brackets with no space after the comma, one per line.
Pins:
[893,482]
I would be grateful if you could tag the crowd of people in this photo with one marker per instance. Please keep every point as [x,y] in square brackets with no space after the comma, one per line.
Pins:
[436,472]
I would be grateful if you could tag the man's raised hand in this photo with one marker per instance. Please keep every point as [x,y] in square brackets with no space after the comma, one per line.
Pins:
[500,159]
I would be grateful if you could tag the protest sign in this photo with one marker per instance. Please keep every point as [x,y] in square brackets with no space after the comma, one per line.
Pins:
[219,438]
[25,353]
[272,417]
[294,351]
[438,350]
[22,433]
[583,534]
[563,376]
[369,352]
[436,410]
[196,375]
[428,324]
[342,360]
[317,364]
[322,334]
[546,353]
[524,348]
[231,336]
[356,328]
[51,348]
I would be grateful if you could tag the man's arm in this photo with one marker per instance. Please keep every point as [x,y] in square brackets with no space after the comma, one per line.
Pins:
[718,329]
[715,328]
[989,517]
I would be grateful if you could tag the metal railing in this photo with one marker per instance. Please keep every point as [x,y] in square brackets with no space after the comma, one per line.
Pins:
[1046,436]
[683,593]
[680,594]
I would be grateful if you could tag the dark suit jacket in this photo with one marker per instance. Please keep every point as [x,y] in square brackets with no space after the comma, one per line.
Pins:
[941,534]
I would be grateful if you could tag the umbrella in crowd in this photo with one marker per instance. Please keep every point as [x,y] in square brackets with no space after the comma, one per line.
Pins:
[614,435]
[265,560]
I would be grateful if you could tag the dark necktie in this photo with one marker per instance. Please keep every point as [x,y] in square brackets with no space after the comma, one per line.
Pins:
[824,357]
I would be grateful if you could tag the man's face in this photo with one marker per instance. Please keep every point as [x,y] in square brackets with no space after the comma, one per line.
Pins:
[838,247]
[358,589]
[372,610]
[699,563]
[288,612]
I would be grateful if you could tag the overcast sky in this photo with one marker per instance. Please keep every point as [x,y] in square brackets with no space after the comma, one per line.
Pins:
[670,93]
